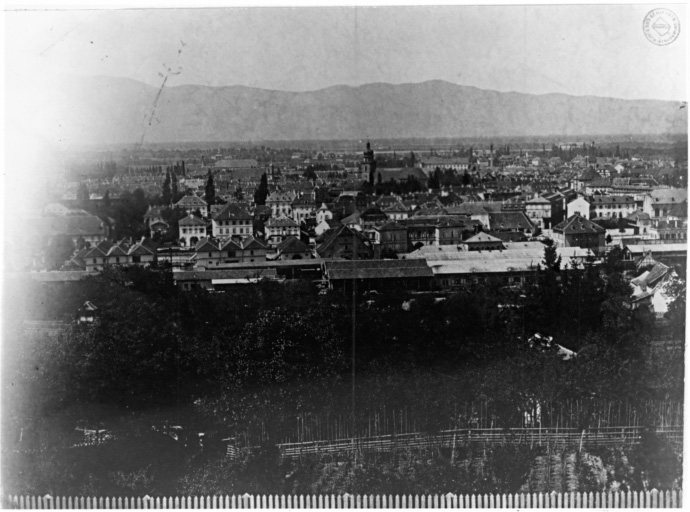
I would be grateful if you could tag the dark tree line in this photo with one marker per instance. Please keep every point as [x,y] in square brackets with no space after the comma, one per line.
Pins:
[255,357]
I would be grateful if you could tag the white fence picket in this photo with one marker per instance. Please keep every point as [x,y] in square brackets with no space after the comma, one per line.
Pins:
[629,499]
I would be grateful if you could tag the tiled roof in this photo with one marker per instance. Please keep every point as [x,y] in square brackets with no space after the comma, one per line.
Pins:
[100,250]
[391,226]
[457,222]
[280,197]
[237,164]
[332,234]
[500,221]
[538,200]
[191,220]
[209,275]
[651,277]
[140,249]
[467,209]
[577,224]
[292,245]
[377,269]
[281,222]
[228,244]
[589,175]
[232,211]
[611,200]
[430,209]
[396,207]
[510,236]
[445,161]
[303,202]
[639,248]
[206,244]
[120,249]
[679,210]
[669,195]
[402,174]
[191,201]
[600,182]
[482,237]
[253,243]
[373,212]
[638,216]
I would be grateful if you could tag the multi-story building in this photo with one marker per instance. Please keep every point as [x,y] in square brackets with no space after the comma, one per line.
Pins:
[396,211]
[391,236]
[323,214]
[676,231]
[191,230]
[661,201]
[456,164]
[233,221]
[303,208]
[577,231]
[346,243]
[280,203]
[191,204]
[580,206]
[617,207]
[557,207]
[598,186]
[538,211]
[278,229]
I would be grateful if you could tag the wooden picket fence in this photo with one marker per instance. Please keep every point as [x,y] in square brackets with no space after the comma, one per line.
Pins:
[374,420]
[630,499]
[555,438]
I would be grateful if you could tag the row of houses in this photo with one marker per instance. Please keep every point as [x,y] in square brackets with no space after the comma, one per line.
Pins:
[426,269]
[106,253]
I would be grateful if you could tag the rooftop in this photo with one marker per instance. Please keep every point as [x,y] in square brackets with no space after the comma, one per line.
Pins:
[376,269]
[576,224]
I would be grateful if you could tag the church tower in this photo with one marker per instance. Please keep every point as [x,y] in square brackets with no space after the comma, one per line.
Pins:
[369,163]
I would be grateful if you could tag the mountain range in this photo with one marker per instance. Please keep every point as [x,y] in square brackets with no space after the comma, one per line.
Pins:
[120,110]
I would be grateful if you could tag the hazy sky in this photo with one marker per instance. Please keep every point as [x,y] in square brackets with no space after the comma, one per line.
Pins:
[598,49]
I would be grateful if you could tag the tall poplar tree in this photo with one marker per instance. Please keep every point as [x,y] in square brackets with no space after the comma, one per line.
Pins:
[210,190]
[167,192]
[261,192]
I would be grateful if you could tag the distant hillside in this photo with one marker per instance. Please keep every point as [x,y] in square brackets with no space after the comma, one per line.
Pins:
[117,110]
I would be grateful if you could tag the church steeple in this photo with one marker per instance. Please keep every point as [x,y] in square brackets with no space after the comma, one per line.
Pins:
[369,163]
